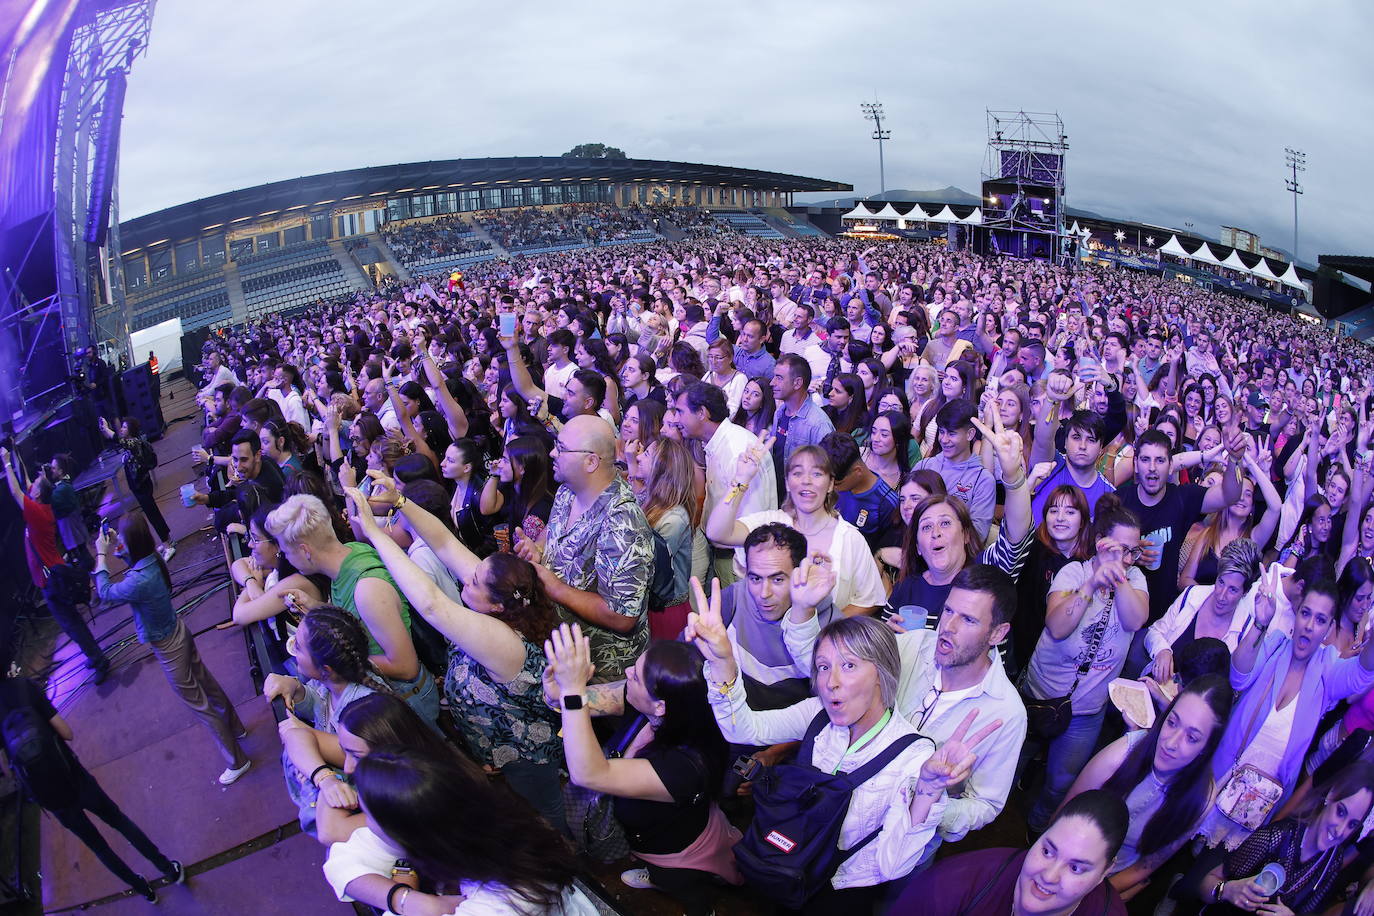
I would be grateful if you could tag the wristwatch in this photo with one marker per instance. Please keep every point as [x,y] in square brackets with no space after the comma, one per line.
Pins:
[572,701]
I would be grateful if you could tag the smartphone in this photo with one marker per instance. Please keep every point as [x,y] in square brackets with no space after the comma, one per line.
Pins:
[507,324]
[746,767]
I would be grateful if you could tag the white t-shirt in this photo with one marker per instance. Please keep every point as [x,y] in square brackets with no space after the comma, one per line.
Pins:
[365,853]
[857,580]
[556,380]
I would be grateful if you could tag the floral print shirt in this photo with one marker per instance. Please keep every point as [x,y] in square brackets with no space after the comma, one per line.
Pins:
[503,723]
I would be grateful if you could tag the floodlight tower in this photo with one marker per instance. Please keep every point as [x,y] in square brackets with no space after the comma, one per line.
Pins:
[873,111]
[1297,162]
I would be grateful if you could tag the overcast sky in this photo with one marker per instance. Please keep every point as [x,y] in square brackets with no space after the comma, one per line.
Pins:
[1174,111]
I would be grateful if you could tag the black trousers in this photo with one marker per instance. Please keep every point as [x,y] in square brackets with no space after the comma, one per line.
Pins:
[71,621]
[148,504]
[90,797]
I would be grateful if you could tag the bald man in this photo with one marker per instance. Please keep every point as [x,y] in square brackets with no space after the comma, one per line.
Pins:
[598,551]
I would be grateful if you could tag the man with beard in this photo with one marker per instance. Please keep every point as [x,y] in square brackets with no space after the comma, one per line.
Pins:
[1166,511]
[951,674]
[1077,465]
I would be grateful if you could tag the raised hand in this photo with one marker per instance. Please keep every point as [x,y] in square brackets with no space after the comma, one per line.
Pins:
[706,630]
[348,475]
[570,653]
[384,488]
[1008,444]
[360,511]
[751,459]
[814,580]
[953,762]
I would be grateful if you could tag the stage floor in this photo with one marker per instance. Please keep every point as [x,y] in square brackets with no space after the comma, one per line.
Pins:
[160,765]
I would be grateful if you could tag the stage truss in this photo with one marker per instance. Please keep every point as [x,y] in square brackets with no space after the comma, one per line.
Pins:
[1024,192]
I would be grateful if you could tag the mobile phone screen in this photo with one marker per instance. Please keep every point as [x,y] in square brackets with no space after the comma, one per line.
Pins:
[507,320]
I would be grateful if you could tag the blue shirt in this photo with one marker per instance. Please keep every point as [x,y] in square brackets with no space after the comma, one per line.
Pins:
[147,593]
[871,511]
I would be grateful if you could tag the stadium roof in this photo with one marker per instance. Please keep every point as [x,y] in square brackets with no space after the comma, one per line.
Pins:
[189,220]
[1355,265]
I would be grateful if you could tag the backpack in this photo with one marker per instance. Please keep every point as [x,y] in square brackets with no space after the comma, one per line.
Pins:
[33,751]
[144,459]
[791,849]
[661,580]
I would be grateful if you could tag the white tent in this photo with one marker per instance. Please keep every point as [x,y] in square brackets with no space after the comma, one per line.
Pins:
[1174,248]
[975,218]
[859,212]
[946,215]
[1204,254]
[1262,270]
[1235,263]
[888,213]
[1290,277]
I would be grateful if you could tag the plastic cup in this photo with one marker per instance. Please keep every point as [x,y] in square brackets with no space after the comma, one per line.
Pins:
[188,494]
[1271,878]
[502,532]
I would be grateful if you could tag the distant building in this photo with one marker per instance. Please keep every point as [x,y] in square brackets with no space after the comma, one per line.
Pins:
[1271,253]
[1241,239]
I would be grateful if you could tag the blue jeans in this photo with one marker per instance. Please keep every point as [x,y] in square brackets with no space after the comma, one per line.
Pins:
[421,695]
[1067,756]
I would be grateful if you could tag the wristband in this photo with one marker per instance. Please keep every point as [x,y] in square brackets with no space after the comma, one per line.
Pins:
[315,772]
[391,897]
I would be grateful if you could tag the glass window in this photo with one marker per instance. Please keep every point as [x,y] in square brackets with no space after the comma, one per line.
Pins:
[470,200]
[267,241]
[135,272]
[491,198]
[446,202]
[240,249]
[187,257]
[422,205]
[212,251]
[398,208]
[293,236]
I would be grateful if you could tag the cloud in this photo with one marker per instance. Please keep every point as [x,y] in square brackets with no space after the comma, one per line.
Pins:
[1174,111]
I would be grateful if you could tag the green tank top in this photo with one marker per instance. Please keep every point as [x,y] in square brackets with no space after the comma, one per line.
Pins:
[364,563]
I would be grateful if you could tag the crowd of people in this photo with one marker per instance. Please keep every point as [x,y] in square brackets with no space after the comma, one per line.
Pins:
[447,236]
[780,565]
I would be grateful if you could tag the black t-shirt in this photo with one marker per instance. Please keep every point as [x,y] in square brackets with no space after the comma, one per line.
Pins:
[1167,523]
[50,780]
[661,828]
[1033,592]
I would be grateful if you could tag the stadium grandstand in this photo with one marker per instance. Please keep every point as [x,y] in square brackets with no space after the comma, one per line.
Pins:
[243,254]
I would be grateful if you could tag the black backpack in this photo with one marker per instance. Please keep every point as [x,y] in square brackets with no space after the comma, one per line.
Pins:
[33,750]
[791,849]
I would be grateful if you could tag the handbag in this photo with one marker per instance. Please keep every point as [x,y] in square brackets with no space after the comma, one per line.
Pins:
[591,814]
[1048,719]
[1248,796]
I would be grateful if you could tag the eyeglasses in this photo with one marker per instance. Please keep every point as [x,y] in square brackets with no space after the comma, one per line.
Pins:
[560,447]
[1132,554]
[928,705]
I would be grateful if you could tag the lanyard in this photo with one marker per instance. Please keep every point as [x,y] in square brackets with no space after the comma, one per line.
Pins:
[867,737]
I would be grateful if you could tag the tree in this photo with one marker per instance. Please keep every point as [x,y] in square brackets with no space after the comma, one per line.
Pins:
[594,151]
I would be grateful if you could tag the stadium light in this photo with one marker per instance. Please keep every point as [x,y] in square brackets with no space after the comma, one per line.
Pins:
[1297,162]
[873,111]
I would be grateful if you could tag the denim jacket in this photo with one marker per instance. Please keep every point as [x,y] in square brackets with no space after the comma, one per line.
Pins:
[146,592]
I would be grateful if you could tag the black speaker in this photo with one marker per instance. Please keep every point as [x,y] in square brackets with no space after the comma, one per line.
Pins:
[141,400]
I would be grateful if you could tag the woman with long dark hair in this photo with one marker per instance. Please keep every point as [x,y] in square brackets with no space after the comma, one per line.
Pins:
[495,659]
[462,465]
[147,586]
[1164,775]
[671,768]
[591,353]
[846,406]
[756,407]
[888,452]
[520,493]
[1063,536]
[427,809]
[1064,871]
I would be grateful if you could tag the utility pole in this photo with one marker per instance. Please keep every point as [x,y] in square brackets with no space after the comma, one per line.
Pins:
[1297,162]
[873,111]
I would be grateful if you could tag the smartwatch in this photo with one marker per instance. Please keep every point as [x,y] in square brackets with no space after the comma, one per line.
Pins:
[573,701]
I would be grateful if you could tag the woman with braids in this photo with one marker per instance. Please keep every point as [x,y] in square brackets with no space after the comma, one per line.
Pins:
[423,806]
[147,587]
[330,650]
[495,662]
[1164,775]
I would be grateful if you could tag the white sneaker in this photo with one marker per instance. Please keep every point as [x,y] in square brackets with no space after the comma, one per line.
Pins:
[637,878]
[167,551]
[231,775]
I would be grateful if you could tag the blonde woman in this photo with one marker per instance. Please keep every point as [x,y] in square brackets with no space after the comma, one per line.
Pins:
[664,479]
